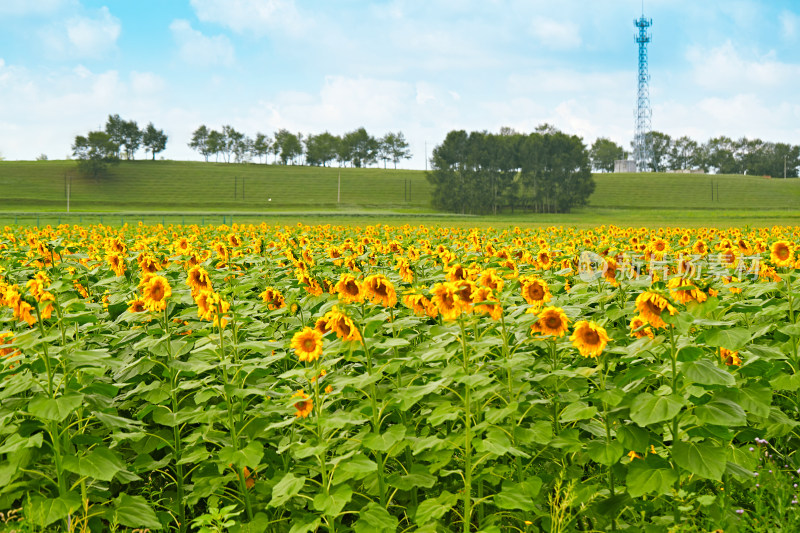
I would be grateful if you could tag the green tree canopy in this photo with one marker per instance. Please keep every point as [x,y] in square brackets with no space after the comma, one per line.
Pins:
[154,140]
[603,154]
[94,152]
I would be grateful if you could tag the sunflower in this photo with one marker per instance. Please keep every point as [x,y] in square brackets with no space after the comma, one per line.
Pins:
[534,290]
[304,405]
[156,292]
[349,289]
[420,304]
[729,357]
[639,328]
[650,306]
[683,291]
[404,268]
[197,278]
[485,295]
[445,298]
[700,247]
[782,254]
[489,278]
[589,338]
[552,321]
[136,305]
[456,273]
[7,337]
[117,264]
[342,325]
[273,298]
[610,271]
[544,259]
[380,290]
[307,344]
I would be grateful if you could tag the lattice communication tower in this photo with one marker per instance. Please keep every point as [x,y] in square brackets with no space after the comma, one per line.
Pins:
[644,115]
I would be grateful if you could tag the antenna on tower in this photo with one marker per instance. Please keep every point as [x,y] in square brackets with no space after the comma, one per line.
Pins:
[644,115]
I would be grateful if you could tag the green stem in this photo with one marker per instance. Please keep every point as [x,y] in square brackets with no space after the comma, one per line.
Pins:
[376,422]
[611,487]
[231,422]
[467,435]
[176,432]
[674,359]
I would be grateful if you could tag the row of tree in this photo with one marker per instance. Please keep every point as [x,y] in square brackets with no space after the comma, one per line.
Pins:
[97,149]
[356,148]
[480,172]
[721,155]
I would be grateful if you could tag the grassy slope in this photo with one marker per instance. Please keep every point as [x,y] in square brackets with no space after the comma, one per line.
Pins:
[178,186]
[682,191]
[307,193]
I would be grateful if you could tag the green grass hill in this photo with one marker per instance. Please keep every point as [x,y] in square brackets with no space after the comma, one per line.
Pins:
[181,186]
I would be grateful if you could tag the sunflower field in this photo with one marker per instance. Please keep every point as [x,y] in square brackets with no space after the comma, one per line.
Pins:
[414,378]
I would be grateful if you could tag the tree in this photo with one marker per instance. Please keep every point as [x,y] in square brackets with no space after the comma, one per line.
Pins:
[603,154]
[555,171]
[683,154]
[289,145]
[321,149]
[155,141]
[261,146]
[227,140]
[660,145]
[115,131]
[131,138]
[94,152]
[718,154]
[547,171]
[200,143]
[393,147]
[239,145]
[216,144]
[362,148]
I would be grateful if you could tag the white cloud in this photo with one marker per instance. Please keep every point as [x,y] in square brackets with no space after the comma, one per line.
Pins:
[790,24]
[93,37]
[556,35]
[250,16]
[146,83]
[197,49]
[30,7]
[724,69]
[84,36]
[43,112]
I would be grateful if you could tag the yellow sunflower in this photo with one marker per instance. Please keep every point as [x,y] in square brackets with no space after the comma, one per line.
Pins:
[589,338]
[552,321]
[349,289]
[534,290]
[639,328]
[304,405]
[380,290]
[156,292]
[650,306]
[307,344]
[273,298]
[342,325]
[136,305]
[683,290]
[730,357]
[782,254]
[445,298]
[490,305]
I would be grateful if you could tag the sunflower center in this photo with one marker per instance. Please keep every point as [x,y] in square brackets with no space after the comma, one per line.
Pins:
[591,337]
[157,292]
[552,322]
[309,345]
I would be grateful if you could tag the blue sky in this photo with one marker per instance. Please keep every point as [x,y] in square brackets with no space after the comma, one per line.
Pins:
[727,67]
